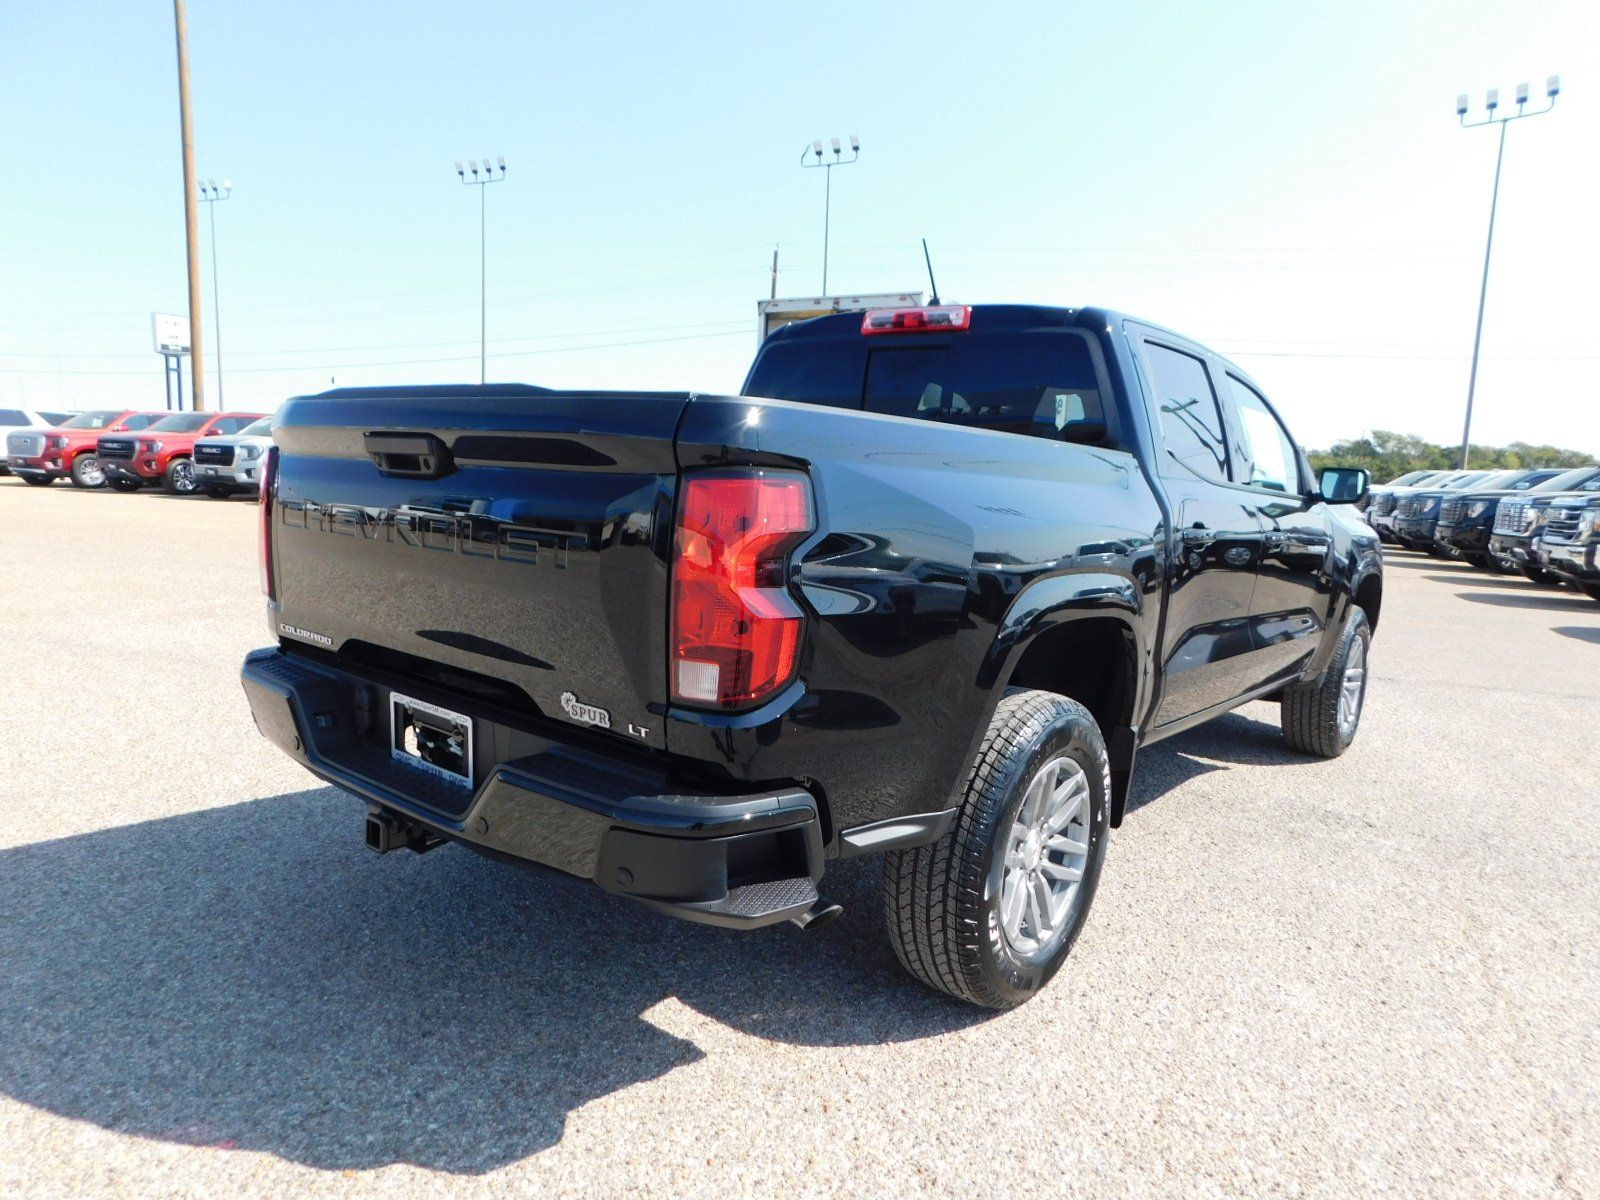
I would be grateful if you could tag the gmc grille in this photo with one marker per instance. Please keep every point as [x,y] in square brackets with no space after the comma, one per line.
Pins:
[219,456]
[1382,504]
[117,448]
[1451,512]
[1514,517]
[1561,524]
[28,445]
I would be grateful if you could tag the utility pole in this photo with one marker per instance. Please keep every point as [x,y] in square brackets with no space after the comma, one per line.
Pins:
[488,177]
[1492,104]
[190,215]
[807,160]
[211,193]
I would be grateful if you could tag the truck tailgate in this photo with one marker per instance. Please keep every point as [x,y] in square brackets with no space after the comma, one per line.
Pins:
[506,541]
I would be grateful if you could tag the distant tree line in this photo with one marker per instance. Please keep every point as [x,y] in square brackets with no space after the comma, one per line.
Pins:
[1388,455]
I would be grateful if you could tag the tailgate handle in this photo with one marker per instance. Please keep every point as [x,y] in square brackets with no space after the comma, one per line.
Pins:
[409,455]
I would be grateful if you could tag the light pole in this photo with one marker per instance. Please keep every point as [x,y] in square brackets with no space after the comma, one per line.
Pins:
[211,193]
[481,180]
[1492,104]
[812,157]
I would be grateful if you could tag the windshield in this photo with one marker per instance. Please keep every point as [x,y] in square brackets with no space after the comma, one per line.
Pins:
[180,422]
[261,428]
[1470,479]
[1583,479]
[92,420]
[1411,477]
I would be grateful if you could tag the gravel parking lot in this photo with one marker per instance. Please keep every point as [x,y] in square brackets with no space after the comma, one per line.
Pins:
[1376,975]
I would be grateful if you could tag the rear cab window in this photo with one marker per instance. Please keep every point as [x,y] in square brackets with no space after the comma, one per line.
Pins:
[1044,382]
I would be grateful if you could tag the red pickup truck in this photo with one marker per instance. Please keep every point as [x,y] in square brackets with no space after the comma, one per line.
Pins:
[163,452]
[42,456]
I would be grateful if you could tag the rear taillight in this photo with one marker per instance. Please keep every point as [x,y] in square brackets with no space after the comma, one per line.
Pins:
[735,627]
[943,317]
[269,477]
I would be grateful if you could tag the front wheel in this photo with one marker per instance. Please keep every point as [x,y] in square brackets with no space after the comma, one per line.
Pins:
[87,472]
[990,911]
[216,492]
[124,485]
[179,478]
[38,480]
[1591,590]
[1321,717]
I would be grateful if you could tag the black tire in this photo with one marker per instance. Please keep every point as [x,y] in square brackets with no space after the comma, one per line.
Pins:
[1479,561]
[1591,590]
[217,493]
[942,901]
[1496,564]
[124,485]
[179,480]
[1539,575]
[1311,718]
[86,472]
[37,480]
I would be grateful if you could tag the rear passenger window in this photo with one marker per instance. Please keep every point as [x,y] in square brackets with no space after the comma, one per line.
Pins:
[1271,460]
[10,416]
[1191,422]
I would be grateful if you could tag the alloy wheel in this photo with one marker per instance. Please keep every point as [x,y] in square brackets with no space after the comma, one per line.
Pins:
[1353,687]
[1047,851]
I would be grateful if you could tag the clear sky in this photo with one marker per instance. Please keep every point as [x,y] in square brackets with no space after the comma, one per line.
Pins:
[1285,181]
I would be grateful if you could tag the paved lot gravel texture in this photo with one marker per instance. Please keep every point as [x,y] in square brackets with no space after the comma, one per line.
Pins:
[1372,976]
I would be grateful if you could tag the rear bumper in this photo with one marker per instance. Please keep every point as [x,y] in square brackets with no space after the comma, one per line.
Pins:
[735,860]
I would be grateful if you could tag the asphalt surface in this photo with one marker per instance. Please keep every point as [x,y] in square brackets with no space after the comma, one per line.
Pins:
[1371,976]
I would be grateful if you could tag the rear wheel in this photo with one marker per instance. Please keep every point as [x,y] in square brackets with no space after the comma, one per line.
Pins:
[990,911]
[179,478]
[1321,717]
[87,472]
[38,480]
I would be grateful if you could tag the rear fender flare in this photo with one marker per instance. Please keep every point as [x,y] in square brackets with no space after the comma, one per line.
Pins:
[1049,604]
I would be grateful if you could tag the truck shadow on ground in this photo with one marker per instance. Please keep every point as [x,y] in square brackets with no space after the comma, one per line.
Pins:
[1541,598]
[250,977]
[1583,633]
[1237,739]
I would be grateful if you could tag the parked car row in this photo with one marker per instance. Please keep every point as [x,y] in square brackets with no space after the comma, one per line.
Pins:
[217,453]
[1543,522]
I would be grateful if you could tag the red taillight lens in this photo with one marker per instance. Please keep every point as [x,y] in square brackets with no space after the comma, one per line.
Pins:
[944,317]
[269,478]
[735,627]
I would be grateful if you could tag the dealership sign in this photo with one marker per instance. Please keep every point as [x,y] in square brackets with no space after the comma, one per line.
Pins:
[170,333]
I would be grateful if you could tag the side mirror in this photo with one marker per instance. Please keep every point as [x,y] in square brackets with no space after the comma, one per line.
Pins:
[1344,485]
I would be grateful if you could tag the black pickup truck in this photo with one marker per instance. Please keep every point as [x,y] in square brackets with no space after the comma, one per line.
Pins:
[923,590]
